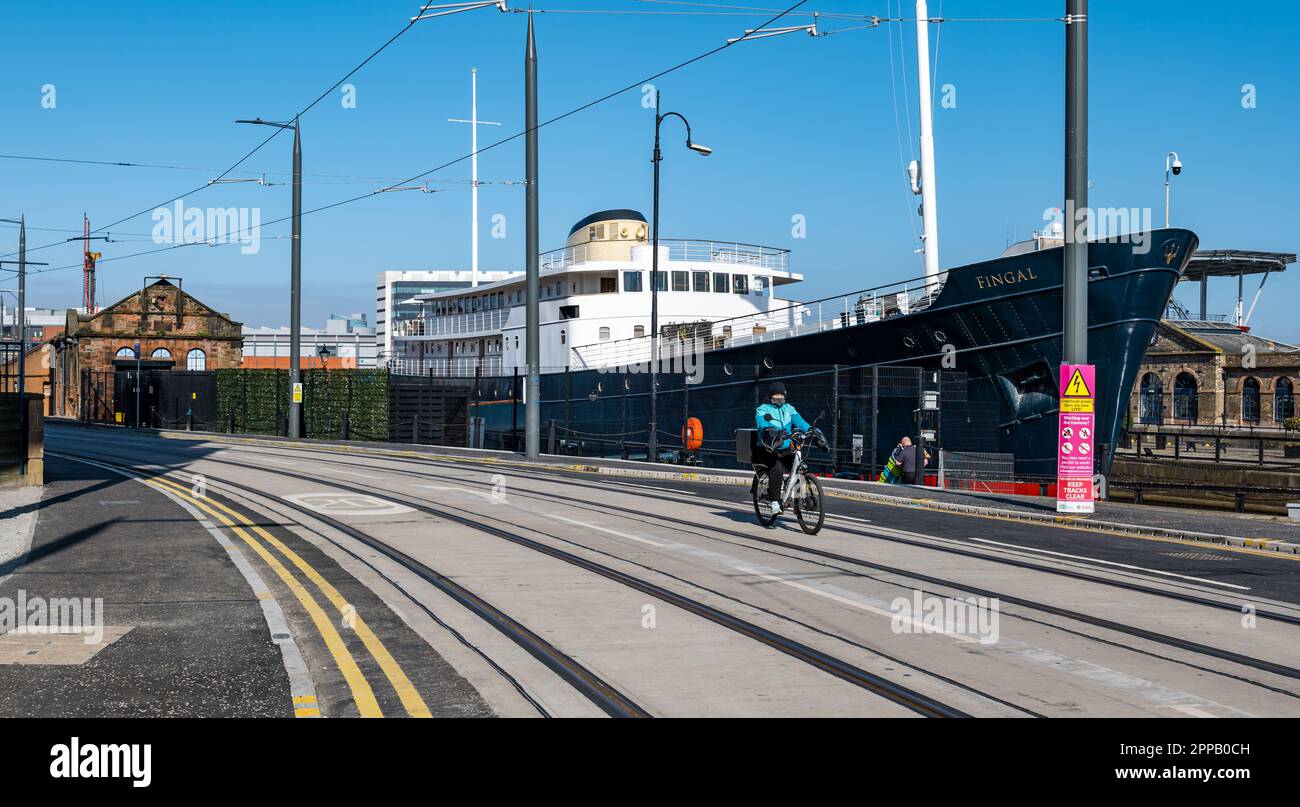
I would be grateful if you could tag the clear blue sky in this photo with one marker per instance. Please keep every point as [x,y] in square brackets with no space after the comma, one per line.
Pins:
[799,126]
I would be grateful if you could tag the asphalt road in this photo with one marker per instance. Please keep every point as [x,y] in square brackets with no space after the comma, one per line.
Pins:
[670,597]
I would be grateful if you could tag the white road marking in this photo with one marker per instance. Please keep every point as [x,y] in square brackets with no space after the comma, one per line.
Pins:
[915,623]
[489,496]
[1191,710]
[1111,563]
[334,503]
[626,535]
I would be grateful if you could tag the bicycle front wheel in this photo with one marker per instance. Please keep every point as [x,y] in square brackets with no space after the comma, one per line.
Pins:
[809,507]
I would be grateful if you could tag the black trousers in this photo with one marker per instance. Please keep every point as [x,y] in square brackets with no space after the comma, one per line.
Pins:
[777,466]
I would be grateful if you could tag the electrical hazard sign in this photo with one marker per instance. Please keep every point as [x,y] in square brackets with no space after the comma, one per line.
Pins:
[1075,426]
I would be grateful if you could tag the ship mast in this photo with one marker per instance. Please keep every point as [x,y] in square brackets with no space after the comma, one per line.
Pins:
[929,189]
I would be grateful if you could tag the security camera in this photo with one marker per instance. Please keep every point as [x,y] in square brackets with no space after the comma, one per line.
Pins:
[1177,167]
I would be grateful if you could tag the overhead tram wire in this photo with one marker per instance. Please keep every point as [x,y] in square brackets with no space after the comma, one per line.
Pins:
[418,177]
[275,132]
[449,163]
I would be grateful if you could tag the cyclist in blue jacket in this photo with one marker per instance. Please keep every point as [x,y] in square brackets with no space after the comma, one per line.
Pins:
[775,420]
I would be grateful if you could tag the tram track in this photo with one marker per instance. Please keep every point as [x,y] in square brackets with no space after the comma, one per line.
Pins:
[906,697]
[1065,613]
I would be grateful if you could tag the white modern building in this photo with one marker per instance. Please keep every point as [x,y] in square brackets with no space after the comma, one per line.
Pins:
[396,289]
[350,343]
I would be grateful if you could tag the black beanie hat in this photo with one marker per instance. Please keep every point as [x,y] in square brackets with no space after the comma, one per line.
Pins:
[777,388]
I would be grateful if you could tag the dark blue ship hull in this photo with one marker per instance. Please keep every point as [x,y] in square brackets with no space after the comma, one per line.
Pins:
[993,333]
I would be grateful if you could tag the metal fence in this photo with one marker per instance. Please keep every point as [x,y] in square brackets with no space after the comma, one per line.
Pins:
[1240,449]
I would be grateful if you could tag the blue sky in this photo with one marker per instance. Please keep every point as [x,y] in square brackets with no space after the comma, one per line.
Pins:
[800,126]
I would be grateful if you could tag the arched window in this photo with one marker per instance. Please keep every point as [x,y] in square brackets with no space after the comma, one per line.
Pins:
[1283,400]
[1185,398]
[160,353]
[125,353]
[562,337]
[1151,405]
[196,360]
[1250,400]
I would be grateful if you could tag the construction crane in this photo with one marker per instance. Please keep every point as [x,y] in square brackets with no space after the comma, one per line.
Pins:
[88,265]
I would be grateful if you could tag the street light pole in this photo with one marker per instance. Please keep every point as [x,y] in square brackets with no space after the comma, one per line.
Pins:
[295,278]
[652,439]
[532,336]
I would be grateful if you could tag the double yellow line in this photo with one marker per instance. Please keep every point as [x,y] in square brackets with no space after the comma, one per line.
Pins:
[362,694]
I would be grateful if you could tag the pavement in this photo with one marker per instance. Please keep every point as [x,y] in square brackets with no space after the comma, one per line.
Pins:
[181,618]
[664,589]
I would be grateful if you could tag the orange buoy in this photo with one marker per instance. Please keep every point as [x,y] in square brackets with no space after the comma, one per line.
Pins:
[693,434]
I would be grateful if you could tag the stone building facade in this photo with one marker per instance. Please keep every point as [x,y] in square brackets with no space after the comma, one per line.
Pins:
[1203,375]
[175,331]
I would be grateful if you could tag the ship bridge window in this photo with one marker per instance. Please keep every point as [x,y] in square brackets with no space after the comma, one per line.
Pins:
[740,284]
[700,280]
[596,232]
[608,285]
[661,281]
[721,282]
[568,312]
[681,281]
[632,281]
[761,285]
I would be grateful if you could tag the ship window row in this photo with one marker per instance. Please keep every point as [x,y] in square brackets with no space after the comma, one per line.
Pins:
[716,282]
[633,281]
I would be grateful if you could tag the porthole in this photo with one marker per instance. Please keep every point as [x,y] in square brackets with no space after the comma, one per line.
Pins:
[726,368]
[940,336]
[909,341]
[768,363]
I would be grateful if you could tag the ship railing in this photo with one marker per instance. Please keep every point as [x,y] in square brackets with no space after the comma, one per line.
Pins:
[731,253]
[452,325]
[831,313]
[453,367]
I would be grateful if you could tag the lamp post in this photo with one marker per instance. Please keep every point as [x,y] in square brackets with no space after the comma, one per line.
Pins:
[652,442]
[22,333]
[295,278]
[1174,166]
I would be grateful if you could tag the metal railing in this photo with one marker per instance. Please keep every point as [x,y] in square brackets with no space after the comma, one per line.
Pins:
[453,325]
[679,249]
[796,319]
[457,367]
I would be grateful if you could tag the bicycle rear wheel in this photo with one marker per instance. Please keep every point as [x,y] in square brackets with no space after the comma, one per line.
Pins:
[758,492]
[808,507]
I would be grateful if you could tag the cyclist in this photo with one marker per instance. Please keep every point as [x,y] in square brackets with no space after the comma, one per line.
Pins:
[775,420]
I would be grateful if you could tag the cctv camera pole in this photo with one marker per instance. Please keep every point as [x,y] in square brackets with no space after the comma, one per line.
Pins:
[929,185]
[1075,286]
[1177,166]
[533,384]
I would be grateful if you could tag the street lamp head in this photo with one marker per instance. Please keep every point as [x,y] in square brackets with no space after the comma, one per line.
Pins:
[703,151]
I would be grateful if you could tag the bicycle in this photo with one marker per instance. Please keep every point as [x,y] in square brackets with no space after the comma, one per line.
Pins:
[799,483]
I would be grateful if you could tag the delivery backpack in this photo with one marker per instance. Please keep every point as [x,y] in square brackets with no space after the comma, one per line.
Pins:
[893,470]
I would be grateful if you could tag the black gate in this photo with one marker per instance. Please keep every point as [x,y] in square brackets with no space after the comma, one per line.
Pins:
[427,410]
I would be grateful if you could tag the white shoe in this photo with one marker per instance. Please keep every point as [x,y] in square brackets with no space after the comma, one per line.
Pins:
[776,508]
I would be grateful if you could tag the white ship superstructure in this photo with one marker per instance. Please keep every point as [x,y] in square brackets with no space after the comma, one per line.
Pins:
[595,292]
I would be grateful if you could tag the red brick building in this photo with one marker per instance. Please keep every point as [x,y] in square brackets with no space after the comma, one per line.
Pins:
[175,331]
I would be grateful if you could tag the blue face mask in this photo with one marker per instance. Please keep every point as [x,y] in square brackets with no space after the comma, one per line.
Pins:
[778,400]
